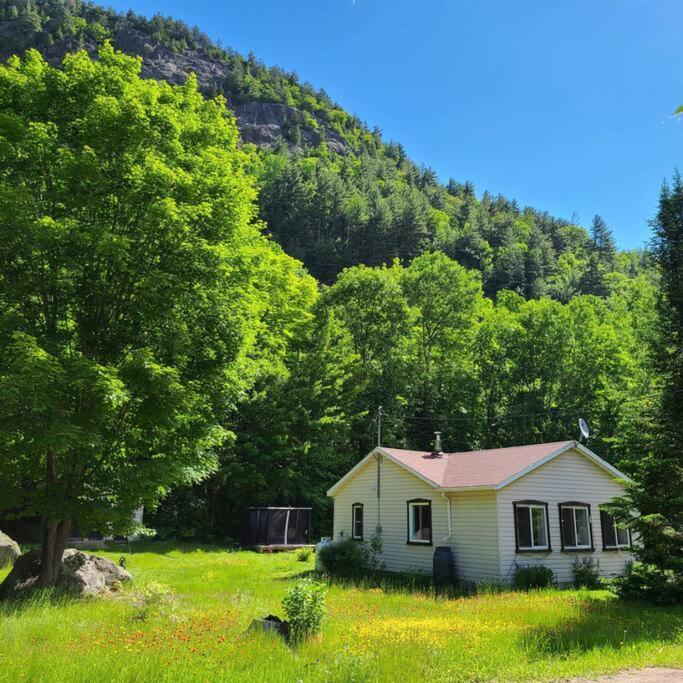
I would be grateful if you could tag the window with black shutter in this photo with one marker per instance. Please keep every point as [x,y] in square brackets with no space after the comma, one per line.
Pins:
[357,521]
[614,536]
[532,532]
[575,526]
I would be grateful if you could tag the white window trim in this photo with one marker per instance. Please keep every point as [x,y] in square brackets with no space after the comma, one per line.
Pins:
[529,507]
[354,508]
[411,522]
[576,529]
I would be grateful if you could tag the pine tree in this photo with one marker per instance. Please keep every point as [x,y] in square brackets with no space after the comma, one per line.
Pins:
[602,242]
[657,494]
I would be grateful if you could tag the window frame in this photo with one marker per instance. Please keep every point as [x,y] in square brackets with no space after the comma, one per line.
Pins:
[530,504]
[419,502]
[615,526]
[354,507]
[574,505]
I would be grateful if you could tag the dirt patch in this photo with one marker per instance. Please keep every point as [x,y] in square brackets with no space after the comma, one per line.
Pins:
[652,674]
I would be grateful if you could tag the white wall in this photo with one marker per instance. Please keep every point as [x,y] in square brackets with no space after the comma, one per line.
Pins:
[474,516]
[568,477]
[475,536]
[397,487]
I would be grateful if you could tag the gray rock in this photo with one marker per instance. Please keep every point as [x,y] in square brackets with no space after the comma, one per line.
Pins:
[82,574]
[88,574]
[9,550]
[265,124]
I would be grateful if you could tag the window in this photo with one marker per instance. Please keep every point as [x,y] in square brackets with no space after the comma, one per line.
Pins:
[420,521]
[613,536]
[531,525]
[357,521]
[575,526]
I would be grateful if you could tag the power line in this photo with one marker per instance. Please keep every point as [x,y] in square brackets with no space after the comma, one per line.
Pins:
[550,412]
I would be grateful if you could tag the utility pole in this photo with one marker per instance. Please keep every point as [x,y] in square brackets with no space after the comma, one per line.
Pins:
[379,426]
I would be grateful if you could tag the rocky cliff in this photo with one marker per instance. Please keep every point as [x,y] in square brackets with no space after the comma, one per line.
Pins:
[266,124]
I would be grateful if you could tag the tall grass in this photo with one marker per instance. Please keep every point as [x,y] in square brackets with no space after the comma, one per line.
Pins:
[375,630]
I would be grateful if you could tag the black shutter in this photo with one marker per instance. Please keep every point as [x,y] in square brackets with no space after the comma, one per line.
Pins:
[567,524]
[523,520]
[609,536]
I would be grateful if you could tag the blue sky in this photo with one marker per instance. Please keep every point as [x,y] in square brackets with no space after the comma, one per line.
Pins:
[563,105]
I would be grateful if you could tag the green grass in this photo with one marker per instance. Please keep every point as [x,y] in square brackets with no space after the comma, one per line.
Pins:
[370,633]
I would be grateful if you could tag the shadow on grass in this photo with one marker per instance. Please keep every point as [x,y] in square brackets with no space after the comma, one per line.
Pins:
[36,599]
[158,547]
[390,582]
[605,623]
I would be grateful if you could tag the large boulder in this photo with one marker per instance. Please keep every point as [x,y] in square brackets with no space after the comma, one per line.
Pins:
[9,550]
[82,574]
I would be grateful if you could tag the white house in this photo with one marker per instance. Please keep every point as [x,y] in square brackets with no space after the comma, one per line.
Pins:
[495,509]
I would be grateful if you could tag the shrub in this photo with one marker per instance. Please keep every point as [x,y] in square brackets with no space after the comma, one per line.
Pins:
[649,582]
[533,576]
[156,599]
[304,554]
[346,558]
[586,573]
[304,606]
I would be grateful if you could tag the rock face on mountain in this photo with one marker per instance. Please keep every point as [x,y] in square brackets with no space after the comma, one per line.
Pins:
[265,124]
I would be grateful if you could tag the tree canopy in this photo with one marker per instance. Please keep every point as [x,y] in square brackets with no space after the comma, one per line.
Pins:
[135,287]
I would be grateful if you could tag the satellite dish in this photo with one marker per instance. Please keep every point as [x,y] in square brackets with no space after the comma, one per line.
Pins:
[583,427]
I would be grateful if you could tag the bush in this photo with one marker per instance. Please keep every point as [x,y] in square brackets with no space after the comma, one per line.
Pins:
[304,606]
[586,573]
[346,558]
[533,576]
[649,582]
[304,554]
[156,599]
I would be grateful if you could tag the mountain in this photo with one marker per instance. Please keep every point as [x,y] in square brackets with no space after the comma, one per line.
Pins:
[333,193]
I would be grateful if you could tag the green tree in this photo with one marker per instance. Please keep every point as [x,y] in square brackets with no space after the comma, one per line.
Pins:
[128,290]
[653,505]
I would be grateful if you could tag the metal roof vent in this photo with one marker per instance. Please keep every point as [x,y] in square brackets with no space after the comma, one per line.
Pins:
[437,452]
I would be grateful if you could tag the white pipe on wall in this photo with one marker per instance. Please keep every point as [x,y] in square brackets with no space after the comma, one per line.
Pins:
[450,518]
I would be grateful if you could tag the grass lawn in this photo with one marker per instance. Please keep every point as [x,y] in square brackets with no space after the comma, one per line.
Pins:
[369,633]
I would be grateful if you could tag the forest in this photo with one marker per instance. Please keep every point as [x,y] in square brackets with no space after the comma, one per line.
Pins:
[264,307]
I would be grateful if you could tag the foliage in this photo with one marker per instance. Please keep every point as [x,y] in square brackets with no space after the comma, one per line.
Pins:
[346,558]
[650,582]
[304,554]
[304,605]
[135,288]
[155,599]
[586,572]
[528,577]
[370,205]
[653,504]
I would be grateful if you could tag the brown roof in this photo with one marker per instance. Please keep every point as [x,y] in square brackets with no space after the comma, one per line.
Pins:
[475,468]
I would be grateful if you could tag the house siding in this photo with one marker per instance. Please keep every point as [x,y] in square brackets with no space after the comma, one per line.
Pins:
[568,477]
[398,486]
[475,536]
[474,516]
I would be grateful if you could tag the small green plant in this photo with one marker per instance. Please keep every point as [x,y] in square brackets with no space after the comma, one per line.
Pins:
[586,573]
[533,576]
[304,606]
[304,554]
[155,599]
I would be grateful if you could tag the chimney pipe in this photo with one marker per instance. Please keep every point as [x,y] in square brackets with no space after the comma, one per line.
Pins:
[437,443]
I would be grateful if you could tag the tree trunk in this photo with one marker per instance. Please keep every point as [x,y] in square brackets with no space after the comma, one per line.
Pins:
[54,542]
